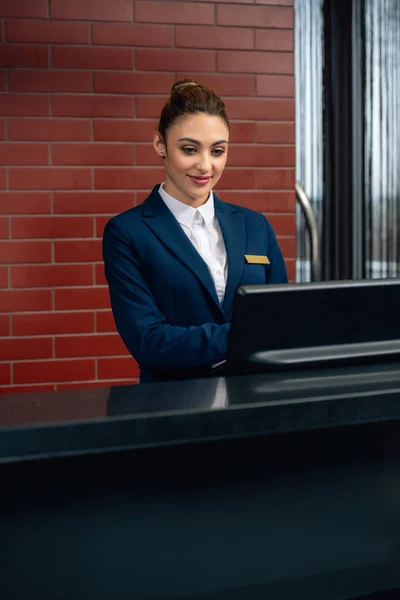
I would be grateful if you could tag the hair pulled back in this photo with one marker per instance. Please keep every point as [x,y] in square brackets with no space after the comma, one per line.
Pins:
[189,97]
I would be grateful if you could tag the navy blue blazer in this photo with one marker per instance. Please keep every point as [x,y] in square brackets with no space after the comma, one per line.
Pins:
[162,295]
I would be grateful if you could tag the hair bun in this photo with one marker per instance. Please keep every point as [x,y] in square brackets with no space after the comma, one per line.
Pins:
[184,83]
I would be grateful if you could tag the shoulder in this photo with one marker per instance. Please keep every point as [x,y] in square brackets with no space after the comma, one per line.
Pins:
[132,217]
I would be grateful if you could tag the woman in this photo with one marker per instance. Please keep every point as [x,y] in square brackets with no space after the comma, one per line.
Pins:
[174,262]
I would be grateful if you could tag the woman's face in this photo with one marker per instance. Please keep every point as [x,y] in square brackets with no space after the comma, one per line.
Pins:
[195,156]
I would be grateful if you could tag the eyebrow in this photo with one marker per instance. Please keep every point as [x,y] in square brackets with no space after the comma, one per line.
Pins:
[186,139]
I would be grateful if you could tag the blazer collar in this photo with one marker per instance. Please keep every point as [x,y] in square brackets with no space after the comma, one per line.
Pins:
[164,225]
[233,230]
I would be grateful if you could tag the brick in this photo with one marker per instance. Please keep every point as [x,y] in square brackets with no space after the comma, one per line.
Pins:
[3,179]
[146,155]
[24,8]
[81,298]
[92,202]
[231,1]
[173,12]
[256,62]
[25,300]
[101,222]
[262,201]
[51,275]
[50,178]
[3,277]
[90,345]
[49,81]
[261,156]
[291,269]
[18,105]
[279,2]
[70,57]
[242,132]
[271,179]
[24,154]
[99,276]
[25,252]
[4,325]
[51,129]
[260,108]
[133,35]
[52,227]
[224,84]
[2,129]
[4,227]
[149,106]
[3,80]
[47,32]
[124,130]
[242,179]
[132,83]
[92,154]
[117,368]
[283,224]
[23,55]
[22,349]
[174,60]
[77,251]
[5,376]
[214,37]
[54,370]
[92,10]
[279,17]
[92,106]
[278,40]
[23,389]
[275,133]
[275,86]
[105,321]
[127,178]
[287,246]
[27,203]
[53,323]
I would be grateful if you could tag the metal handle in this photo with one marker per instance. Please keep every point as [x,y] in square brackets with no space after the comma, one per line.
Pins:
[313,230]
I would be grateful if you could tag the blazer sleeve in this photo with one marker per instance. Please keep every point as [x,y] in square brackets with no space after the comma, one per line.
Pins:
[277,271]
[149,338]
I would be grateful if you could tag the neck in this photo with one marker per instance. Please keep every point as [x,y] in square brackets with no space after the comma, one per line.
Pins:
[193,202]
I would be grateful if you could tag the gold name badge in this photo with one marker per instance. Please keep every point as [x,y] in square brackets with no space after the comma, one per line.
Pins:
[253,259]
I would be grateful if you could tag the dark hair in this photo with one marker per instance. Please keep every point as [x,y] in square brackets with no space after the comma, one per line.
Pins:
[189,96]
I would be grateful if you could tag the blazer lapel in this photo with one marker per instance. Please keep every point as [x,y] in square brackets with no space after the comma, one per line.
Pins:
[163,224]
[234,234]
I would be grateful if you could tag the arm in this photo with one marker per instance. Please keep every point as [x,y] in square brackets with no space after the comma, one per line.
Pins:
[277,271]
[143,328]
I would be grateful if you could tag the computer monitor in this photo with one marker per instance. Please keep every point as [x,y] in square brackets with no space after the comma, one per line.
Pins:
[298,326]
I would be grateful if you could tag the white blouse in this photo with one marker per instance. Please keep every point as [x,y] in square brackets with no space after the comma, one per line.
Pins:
[202,228]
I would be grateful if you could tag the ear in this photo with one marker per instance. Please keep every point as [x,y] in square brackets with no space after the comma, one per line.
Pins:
[159,144]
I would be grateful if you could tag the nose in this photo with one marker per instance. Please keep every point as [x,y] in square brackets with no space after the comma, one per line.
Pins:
[204,162]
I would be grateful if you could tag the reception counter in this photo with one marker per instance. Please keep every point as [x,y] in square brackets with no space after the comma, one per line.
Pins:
[278,487]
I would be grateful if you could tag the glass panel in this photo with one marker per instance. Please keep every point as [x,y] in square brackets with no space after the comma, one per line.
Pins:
[309,52]
[382,138]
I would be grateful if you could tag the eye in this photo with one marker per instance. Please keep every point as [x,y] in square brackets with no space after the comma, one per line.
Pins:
[189,150]
[218,151]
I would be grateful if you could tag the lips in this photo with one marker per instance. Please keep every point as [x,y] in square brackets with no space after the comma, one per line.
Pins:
[200,180]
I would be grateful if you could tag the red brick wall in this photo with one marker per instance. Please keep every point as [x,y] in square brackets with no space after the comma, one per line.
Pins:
[82,82]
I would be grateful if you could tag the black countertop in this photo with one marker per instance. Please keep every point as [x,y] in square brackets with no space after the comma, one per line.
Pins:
[89,421]
[281,487]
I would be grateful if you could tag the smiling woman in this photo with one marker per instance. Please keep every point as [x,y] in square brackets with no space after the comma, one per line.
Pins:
[173,263]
